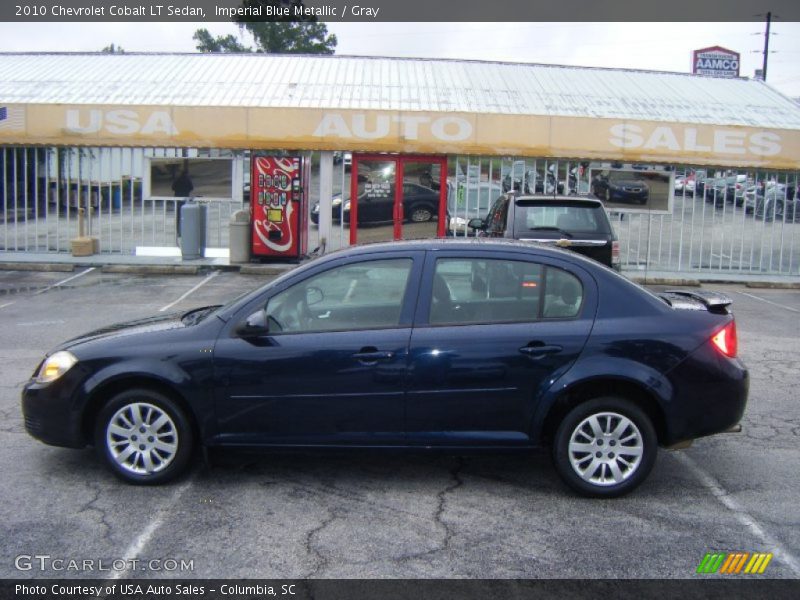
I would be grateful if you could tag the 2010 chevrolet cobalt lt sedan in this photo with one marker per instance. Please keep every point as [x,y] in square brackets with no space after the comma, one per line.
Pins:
[444,344]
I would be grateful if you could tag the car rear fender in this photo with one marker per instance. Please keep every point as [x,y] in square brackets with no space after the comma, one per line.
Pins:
[602,376]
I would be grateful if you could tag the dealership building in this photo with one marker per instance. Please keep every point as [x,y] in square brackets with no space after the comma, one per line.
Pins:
[93,146]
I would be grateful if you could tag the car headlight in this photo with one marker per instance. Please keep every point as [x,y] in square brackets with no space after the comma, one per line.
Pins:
[347,205]
[336,201]
[55,366]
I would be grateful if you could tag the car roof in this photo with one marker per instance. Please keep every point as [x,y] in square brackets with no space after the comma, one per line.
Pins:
[472,243]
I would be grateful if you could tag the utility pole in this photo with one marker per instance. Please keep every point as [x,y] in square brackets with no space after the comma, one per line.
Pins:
[766,45]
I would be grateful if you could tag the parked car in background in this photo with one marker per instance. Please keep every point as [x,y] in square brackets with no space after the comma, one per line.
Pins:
[620,187]
[529,181]
[579,224]
[684,184]
[466,201]
[376,204]
[483,345]
[776,202]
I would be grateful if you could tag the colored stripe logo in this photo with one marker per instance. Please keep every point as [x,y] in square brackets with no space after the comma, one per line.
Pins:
[12,118]
[734,563]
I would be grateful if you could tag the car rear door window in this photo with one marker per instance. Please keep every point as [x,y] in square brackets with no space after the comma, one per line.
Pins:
[365,295]
[466,291]
[485,291]
[563,294]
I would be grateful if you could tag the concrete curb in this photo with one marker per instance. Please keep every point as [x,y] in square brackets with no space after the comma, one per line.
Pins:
[774,285]
[151,269]
[666,281]
[41,267]
[265,269]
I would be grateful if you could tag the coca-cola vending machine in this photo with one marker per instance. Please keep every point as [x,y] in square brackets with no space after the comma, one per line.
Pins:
[279,220]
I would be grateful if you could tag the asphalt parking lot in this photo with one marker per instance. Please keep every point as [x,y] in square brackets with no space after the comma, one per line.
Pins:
[368,515]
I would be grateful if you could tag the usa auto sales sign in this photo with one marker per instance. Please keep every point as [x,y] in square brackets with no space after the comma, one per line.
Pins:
[715,61]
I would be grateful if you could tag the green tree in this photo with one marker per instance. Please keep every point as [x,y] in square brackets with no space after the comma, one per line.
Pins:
[222,43]
[112,49]
[288,34]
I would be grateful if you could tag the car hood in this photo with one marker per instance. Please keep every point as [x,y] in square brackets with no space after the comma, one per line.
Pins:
[119,330]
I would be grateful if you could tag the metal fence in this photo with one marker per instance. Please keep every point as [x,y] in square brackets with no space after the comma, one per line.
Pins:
[45,193]
[717,220]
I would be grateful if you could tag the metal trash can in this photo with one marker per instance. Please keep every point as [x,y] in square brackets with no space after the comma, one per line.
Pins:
[239,237]
[193,229]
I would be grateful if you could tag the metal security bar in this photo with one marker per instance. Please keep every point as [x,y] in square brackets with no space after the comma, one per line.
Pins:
[720,220]
[44,190]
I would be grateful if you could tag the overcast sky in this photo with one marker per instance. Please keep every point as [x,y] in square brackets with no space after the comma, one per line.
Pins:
[656,46]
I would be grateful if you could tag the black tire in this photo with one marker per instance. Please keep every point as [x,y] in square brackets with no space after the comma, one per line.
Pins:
[636,432]
[151,429]
[774,213]
[420,213]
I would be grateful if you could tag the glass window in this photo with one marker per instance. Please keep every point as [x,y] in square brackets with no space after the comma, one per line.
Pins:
[563,294]
[366,295]
[497,216]
[485,291]
[570,217]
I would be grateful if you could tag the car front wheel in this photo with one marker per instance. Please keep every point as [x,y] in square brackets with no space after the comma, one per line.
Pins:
[605,447]
[144,437]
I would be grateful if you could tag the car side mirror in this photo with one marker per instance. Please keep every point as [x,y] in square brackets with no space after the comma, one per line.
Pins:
[254,325]
[476,224]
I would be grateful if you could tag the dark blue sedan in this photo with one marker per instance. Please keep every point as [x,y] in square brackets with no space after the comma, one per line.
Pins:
[474,344]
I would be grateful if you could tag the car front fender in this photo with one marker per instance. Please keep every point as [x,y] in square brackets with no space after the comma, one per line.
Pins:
[193,390]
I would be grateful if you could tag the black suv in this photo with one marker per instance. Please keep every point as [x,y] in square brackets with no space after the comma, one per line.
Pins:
[580,224]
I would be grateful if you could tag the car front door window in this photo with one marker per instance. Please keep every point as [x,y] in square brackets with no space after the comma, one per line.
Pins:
[366,295]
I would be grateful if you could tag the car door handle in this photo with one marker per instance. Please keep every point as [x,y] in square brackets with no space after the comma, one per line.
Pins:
[372,355]
[538,349]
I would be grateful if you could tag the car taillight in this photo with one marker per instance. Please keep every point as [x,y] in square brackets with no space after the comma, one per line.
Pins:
[615,253]
[725,340]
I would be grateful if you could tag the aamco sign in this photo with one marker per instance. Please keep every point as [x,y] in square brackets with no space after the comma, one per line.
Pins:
[715,61]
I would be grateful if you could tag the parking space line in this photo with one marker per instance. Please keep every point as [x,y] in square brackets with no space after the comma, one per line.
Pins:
[55,285]
[768,301]
[138,544]
[7,304]
[770,543]
[195,288]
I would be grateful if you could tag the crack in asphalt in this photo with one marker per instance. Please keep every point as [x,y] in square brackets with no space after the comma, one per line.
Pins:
[322,561]
[441,507]
[90,507]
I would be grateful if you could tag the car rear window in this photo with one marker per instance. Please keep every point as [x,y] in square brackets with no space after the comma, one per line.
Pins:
[569,216]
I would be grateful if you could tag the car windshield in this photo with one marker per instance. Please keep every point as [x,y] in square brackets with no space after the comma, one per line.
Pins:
[571,217]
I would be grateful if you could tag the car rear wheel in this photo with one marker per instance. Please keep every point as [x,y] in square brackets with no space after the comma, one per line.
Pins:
[605,447]
[144,437]
[421,214]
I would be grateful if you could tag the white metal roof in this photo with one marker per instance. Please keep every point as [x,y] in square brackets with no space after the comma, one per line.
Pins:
[402,84]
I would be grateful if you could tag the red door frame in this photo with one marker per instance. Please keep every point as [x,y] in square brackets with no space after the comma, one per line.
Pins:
[399,161]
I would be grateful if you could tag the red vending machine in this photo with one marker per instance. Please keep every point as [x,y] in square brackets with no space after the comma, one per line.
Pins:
[278,187]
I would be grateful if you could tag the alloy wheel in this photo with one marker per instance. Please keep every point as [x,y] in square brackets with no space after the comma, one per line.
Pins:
[142,438]
[605,449]
[420,215]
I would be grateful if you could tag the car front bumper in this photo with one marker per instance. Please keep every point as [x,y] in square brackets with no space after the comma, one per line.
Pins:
[50,414]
